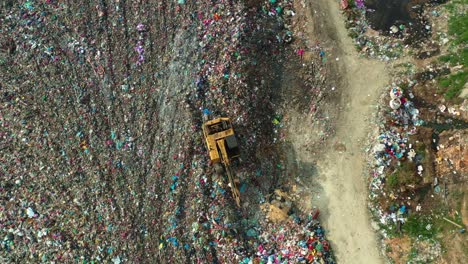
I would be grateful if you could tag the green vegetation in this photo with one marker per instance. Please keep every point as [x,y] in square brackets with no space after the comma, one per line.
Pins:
[458,30]
[353,34]
[460,58]
[388,249]
[390,230]
[392,181]
[421,149]
[412,254]
[454,84]
[442,225]
[458,23]
[417,226]
[405,174]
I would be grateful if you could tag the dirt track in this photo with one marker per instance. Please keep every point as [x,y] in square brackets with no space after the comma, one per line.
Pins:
[339,167]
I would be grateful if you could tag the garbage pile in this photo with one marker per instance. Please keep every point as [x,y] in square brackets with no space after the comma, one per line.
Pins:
[101,157]
[299,241]
[393,146]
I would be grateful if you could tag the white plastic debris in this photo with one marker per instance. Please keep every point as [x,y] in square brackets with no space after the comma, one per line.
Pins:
[116,260]
[420,170]
[41,233]
[380,170]
[379,148]
[452,111]
[30,212]
[411,154]
[395,103]
[442,108]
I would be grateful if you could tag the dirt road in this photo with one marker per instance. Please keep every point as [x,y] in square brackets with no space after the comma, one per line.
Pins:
[342,191]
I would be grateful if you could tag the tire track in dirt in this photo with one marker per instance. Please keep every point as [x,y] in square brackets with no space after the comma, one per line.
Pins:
[342,191]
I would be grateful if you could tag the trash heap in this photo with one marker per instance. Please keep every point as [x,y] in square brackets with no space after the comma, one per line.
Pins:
[297,241]
[400,121]
[102,158]
[410,162]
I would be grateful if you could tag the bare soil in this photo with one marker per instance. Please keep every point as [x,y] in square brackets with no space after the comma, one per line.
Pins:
[338,171]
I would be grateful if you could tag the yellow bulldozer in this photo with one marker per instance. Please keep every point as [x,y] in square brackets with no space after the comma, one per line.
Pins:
[222,146]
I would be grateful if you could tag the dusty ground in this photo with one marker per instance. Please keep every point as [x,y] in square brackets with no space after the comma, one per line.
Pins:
[341,192]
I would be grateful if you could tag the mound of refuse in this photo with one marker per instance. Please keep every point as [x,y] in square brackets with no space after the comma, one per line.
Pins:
[102,153]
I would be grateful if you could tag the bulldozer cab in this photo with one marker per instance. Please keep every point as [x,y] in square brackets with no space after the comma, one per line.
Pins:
[221,140]
[222,146]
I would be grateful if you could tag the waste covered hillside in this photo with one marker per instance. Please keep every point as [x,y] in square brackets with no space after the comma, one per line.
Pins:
[418,182]
[102,156]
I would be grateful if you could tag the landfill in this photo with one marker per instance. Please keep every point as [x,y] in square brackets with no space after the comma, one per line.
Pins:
[102,159]
[400,121]
[416,160]
[100,156]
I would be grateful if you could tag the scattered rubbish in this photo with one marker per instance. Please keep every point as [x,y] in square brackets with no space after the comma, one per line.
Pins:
[89,145]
